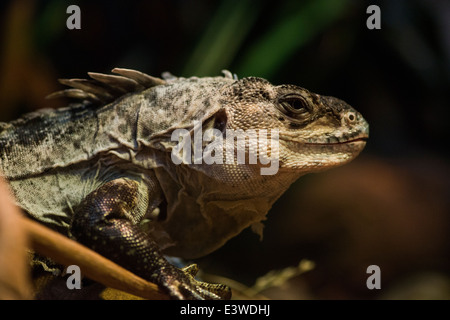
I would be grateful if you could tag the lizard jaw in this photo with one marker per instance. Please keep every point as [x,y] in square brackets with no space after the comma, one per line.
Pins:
[354,140]
[321,155]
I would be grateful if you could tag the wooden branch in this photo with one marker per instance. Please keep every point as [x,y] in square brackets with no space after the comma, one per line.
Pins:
[14,267]
[92,265]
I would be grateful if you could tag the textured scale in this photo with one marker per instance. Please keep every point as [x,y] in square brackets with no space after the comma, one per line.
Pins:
[100,170]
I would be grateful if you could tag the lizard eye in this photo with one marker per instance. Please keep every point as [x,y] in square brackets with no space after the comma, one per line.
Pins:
[294,105]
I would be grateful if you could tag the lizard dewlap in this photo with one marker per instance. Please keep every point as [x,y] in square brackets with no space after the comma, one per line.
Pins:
[186,155]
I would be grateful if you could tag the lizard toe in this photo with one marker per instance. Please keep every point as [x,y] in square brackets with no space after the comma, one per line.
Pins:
[191,269]
[182,285]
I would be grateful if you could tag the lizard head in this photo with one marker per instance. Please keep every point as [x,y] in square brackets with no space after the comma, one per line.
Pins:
[218,198]
[315,132]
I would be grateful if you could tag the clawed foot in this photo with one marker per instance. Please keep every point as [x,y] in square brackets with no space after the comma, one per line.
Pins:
[181,284]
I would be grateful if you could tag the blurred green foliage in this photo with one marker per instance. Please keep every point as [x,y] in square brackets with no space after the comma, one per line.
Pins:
[285,34]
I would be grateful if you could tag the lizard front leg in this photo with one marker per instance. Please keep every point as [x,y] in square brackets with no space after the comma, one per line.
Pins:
[104,222]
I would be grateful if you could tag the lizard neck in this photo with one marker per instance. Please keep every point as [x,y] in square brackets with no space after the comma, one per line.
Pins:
[220,207]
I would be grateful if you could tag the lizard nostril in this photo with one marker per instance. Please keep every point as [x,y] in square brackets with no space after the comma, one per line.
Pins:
[351,116]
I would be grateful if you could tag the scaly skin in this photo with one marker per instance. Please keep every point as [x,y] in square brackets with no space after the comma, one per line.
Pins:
[100,171]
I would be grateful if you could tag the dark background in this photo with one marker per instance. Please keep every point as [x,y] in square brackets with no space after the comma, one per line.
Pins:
[389,207]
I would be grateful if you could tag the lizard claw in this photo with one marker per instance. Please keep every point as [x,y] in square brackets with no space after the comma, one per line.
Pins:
[182,285]
[191,269]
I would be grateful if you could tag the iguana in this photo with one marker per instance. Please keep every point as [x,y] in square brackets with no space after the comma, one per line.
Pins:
[103,171]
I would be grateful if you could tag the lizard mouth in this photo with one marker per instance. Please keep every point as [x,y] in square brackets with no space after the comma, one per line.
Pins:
[356,140]
[351,141]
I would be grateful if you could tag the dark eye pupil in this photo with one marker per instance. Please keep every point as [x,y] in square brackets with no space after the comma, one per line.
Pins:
[296,104]
[295,107]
